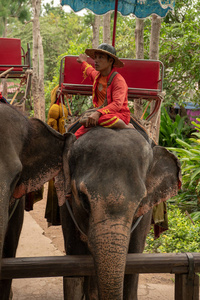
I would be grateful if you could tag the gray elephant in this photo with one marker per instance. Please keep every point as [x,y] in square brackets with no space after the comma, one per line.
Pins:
[30,155]
[115,177]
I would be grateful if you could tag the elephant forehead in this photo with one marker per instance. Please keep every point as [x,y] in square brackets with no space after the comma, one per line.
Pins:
[101,205]
[112,192]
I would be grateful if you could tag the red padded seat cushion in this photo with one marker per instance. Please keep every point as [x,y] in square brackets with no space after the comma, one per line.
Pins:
[10,53]
[140,74]
[73,73]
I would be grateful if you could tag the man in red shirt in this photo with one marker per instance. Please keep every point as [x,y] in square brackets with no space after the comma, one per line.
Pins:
[114,112]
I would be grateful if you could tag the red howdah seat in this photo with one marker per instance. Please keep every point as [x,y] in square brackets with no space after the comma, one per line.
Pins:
[143,77]
[12,55]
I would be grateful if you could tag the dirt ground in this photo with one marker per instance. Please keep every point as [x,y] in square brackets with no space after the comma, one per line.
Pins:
[49,241]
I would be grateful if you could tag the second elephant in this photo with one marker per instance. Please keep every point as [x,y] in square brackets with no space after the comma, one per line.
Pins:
[115,176]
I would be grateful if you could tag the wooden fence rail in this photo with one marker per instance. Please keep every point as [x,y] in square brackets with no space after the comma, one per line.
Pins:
[183,265]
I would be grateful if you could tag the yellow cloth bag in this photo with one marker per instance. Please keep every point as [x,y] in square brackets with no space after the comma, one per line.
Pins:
[57,114]
[54,111]
[53,123]
[61,125]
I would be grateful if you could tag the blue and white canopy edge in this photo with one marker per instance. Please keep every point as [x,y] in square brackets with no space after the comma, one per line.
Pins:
[140,8]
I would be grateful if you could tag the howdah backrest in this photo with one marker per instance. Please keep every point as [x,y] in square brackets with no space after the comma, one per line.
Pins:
[13,55]
[144,77]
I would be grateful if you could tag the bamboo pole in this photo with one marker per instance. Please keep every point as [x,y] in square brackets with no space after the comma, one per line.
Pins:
[145,110]
[5,72]
[70,113]
[18,90]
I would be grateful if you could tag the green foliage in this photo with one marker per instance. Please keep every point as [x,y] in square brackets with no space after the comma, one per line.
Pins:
[186,200]
[125,40]
[182,235]
[195,216]
[63,34]
[12,10]
[171,130]
[189,156]
[179,51]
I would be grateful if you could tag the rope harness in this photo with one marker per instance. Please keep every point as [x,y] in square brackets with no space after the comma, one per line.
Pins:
[13,209]
[134,226]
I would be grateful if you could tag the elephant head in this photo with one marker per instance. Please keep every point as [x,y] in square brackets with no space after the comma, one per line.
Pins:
[31,154]
[115,176]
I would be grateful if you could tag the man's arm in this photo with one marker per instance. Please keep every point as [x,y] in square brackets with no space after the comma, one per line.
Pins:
[82,58]
[88,70]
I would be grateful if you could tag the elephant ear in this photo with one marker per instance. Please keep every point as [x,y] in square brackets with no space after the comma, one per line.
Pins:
[163,179]
[41,156]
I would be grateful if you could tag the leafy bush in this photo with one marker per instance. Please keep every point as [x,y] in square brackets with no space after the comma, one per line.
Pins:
[171,130]
[182,235]
[189,156]
[186,200]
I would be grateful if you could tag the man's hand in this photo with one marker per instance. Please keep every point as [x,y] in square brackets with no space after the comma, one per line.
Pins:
[93,119]
[82,58]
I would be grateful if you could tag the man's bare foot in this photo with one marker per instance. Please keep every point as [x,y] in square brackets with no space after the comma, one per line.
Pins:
[121,125]
[130,126]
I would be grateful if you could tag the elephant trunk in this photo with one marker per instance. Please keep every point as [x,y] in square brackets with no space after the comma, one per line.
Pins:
[109,250]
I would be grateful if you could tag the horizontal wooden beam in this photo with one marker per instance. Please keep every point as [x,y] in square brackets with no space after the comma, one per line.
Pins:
[52,266]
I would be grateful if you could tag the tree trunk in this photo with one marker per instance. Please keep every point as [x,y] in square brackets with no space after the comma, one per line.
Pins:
[155,35]
[139,39]
[4,88]
[38,65]
[106,28]
[5,27]
[41,79]
[139,43]
[154,54]
[95,27]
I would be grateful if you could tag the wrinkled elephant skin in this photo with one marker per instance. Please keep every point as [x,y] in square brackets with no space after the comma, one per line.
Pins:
[116,175]
[30,155]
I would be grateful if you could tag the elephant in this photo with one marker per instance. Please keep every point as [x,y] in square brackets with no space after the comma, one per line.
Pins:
[31,153]
[110,177]
[114,176]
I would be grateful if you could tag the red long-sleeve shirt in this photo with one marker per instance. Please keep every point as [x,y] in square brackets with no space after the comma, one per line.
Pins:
[117,91]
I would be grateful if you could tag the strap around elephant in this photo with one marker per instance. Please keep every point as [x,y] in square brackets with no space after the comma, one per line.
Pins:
[73,218]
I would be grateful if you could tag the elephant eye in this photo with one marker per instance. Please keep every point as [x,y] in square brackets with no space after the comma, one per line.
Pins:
[84,200]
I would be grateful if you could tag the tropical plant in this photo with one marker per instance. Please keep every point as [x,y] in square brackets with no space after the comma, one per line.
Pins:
[189,156]
[171,130]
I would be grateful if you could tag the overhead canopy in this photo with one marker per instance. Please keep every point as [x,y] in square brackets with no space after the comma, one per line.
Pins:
[140,8]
